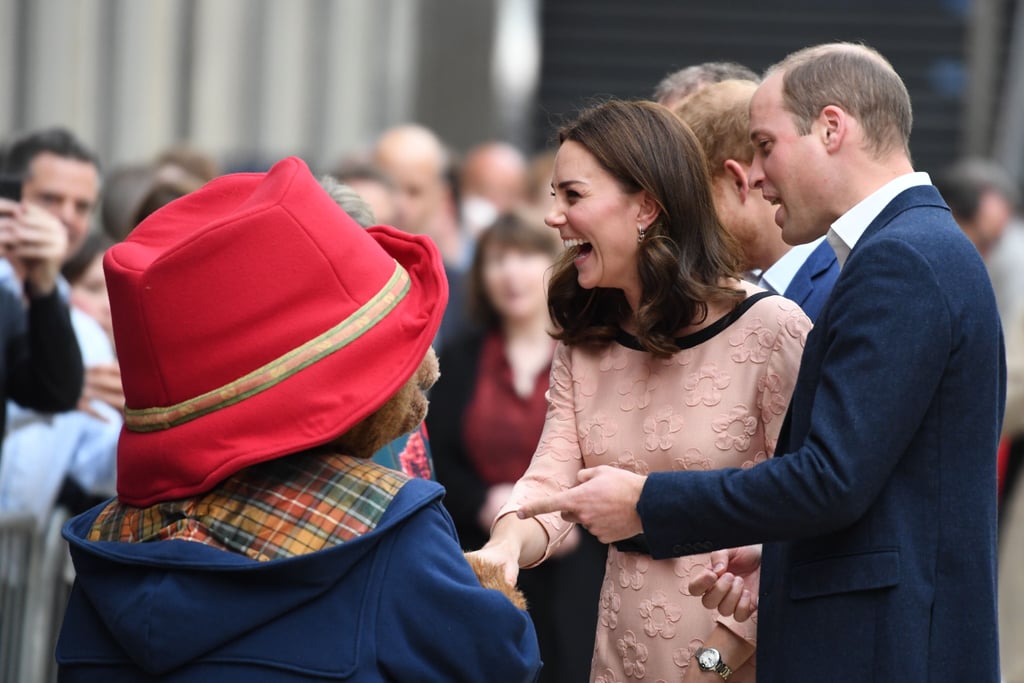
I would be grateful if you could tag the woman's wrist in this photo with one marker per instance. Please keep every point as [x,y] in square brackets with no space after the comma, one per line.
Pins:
[525,540]
[733,648]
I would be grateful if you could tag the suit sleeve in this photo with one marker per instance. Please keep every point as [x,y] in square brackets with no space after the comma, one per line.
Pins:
[44,362]
[439,624]
[888,338]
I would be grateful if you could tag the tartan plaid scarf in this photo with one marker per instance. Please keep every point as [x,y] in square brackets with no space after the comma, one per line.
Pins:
[290,506]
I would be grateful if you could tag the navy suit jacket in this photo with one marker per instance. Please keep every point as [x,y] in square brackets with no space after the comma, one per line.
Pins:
[813,282]
[878,512]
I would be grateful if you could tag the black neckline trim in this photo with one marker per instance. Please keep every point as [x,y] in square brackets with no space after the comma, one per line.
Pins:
[702,335]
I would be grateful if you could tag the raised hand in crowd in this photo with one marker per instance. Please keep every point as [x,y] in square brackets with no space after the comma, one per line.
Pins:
[35,242]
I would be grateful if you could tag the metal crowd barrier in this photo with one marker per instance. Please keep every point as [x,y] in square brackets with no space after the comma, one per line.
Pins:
[35,579]
[18,541]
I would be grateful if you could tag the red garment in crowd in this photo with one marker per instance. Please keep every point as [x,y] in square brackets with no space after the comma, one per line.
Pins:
[1002,464]
[501,428]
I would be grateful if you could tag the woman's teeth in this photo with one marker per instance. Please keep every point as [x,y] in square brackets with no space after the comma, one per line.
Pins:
[574,243]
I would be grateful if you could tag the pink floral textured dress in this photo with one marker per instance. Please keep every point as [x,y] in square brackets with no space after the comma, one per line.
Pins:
[718,402]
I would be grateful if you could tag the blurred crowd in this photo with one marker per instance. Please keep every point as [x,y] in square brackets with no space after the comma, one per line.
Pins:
[485,208]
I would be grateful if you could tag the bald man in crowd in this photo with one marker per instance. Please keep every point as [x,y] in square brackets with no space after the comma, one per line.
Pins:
[495,171]
[493,179]
[416,159]
[418,163]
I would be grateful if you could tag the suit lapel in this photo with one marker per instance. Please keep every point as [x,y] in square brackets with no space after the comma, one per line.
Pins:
[802,284]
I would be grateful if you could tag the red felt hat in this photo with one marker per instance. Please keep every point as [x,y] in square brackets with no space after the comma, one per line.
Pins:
[254,318]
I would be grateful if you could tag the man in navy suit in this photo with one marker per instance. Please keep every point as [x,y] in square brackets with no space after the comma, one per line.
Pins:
[878,513]
[719,115]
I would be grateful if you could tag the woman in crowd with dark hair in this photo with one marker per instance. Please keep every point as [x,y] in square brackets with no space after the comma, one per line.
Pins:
[486,415]
[666,360]
[84,272]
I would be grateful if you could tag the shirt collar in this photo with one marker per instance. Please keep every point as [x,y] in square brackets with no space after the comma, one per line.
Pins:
[782,272]
[849,228]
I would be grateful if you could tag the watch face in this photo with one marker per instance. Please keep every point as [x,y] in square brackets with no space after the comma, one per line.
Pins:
[708,659]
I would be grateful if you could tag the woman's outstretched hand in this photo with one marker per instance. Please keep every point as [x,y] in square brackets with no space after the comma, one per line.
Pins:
[500,554]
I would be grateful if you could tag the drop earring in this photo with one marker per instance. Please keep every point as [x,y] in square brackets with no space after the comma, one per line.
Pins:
[640,232]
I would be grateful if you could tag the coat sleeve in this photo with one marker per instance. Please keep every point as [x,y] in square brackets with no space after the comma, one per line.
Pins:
[558,459]
[888,339]
[436,623]
[44,362]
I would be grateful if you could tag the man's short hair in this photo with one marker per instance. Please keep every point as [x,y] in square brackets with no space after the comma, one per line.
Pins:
[19,153]
[684,82]
[855,78]
[719,115]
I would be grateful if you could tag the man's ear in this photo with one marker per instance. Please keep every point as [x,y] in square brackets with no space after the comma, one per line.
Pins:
[833,127]
[737,175]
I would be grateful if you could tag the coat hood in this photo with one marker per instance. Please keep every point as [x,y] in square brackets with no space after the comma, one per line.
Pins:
[155,598]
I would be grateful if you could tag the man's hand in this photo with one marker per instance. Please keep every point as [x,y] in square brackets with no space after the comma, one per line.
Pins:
[604,503]
[731,583]
[35,241]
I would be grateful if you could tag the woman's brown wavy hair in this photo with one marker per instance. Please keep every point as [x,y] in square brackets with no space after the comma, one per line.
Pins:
[685,254]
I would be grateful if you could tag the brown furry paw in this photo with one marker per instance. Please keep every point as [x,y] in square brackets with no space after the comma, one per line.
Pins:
[493,576]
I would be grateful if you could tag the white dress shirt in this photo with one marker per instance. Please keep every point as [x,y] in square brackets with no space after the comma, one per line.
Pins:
[848,228]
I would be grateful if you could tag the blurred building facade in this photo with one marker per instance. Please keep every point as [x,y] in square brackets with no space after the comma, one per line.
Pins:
[253,80]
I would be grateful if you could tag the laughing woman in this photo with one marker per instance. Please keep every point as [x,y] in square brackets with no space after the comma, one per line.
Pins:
[666,360]
[486,415]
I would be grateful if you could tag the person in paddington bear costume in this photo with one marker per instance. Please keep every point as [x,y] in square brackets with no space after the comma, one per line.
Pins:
[268,345]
